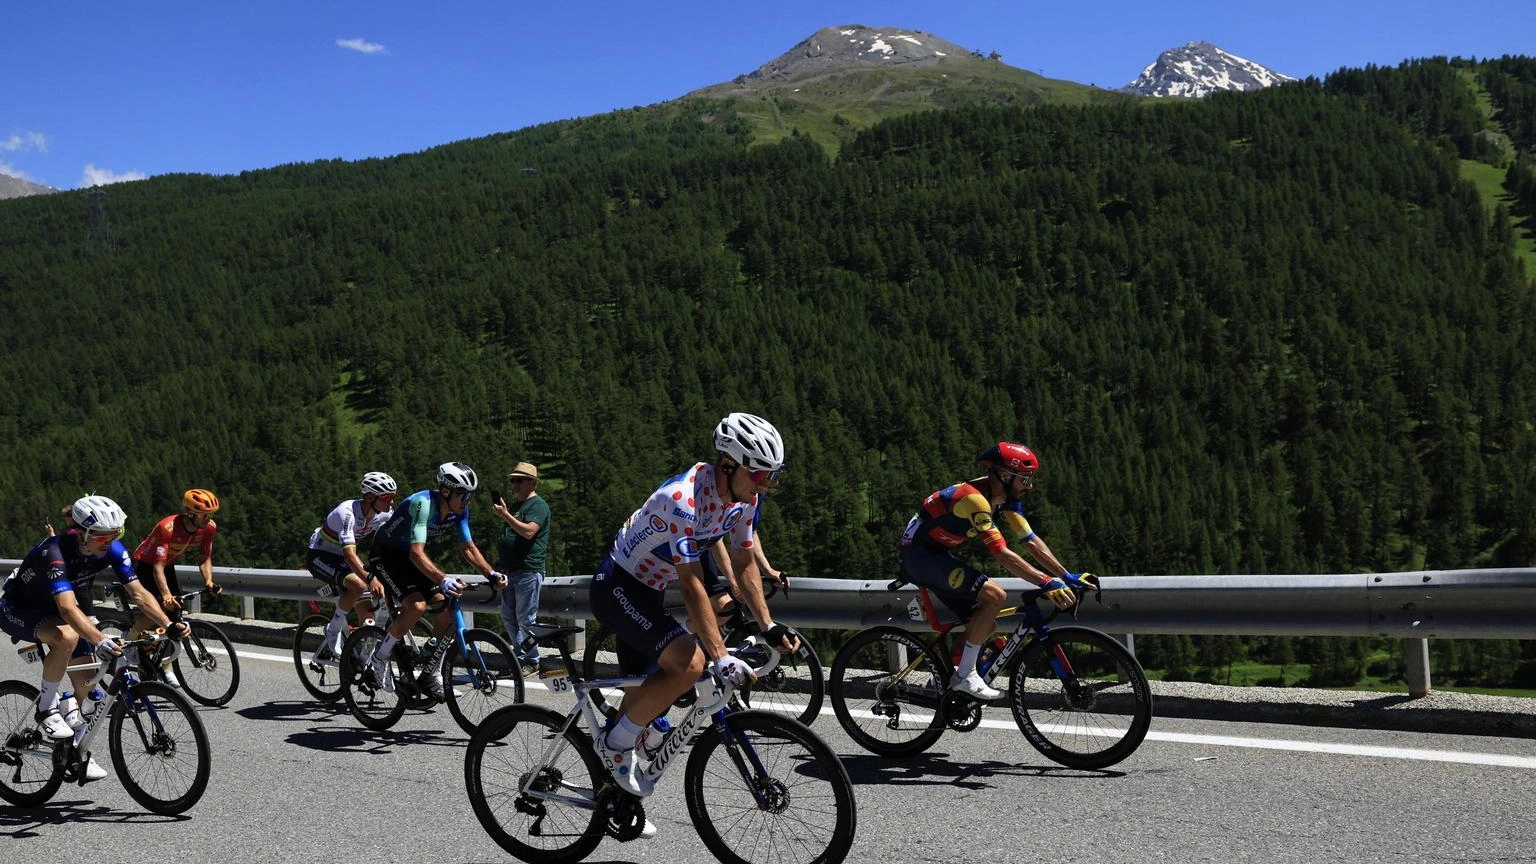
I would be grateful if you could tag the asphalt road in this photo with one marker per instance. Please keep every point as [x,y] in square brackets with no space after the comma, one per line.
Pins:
[298,781]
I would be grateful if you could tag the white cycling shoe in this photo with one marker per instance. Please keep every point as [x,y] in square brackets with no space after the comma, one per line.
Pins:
[93,771]
[624,765]
[53,725]
[972,685]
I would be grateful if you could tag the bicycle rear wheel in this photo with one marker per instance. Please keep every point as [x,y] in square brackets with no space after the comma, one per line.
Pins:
[601,660]
[27,774]
[323,683]
[159,748]
[556,821]
[481,679]
[376,704]
[207,665]
[763,788]
[896,713]
[1093,717]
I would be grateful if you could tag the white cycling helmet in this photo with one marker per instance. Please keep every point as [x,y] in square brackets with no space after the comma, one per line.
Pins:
[98,514]
[458,476]
[378,483]
[751,441]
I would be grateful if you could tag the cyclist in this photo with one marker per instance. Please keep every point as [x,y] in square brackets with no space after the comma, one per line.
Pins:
[48,600]
[155,558]
[663,542]
[986,508]
[333,557]
[398,558]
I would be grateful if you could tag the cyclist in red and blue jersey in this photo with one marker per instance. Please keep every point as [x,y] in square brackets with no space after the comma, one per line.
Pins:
[987,509]
[333,557]
[666,541]
[398,558]
[48,600]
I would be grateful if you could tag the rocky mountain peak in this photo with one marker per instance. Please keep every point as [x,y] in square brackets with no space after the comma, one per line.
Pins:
[1199,69]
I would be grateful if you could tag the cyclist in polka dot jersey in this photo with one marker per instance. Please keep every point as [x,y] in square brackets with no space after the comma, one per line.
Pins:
[664,542]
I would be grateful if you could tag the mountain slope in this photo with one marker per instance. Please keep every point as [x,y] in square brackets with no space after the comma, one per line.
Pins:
[842,79]
[15,187]
[1197,69]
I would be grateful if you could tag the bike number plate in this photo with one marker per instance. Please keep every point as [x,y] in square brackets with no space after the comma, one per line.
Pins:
[560,683]
[30,654]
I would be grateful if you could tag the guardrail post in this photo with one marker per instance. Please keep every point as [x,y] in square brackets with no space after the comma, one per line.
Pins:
[469,620]
[1416,661]
[579,640]
[196,605]
[895,656]
[247,607]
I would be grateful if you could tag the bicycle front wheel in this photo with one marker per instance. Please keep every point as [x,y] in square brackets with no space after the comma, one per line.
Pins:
[159,748]
[763,788]
[320,673]
[887,691]
[480,679]
[27,774]
[795,687]
[1080,698]
[543,812]
[207,665]
[376,704]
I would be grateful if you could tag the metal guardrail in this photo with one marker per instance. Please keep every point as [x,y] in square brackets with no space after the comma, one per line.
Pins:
[1431,604]
[1417,606]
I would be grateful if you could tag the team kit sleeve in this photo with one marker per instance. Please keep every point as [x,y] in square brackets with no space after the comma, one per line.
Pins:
[208,531]
[122,563]
[420,517]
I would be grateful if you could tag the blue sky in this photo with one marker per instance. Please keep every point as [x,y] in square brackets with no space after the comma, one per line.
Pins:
[94,92]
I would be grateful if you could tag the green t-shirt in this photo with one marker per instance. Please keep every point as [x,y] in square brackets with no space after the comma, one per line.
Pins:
[517,553]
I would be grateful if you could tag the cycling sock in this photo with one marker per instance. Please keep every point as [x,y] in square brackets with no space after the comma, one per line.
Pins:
[333,627]
[623,734]
[338,618]
[48,696]
[968,659]
[386,646]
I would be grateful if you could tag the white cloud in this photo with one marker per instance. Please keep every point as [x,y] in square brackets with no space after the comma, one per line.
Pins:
[10,170]
[94,176]
[362,46]
[25,140]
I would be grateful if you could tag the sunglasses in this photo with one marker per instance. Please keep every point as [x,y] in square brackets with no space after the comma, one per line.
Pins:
[766,478]
[99,537]
[1008,476]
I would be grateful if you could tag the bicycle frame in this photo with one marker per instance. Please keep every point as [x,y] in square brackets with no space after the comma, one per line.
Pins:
[716,704]
[123,679]
[1033,626]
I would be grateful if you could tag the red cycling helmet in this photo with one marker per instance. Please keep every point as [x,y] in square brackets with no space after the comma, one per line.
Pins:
[1014,457]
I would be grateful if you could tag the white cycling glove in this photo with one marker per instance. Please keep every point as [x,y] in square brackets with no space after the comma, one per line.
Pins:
[453,585]
[108,648]
[734,671]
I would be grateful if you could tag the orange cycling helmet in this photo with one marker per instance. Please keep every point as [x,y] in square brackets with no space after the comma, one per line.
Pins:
[199,501]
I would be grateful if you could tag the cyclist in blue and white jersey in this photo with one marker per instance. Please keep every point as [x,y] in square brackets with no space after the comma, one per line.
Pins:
[333,557]
[664,542]
[48,600]
[398,558]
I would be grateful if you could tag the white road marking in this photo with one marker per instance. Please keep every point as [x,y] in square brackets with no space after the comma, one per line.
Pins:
[1410,753]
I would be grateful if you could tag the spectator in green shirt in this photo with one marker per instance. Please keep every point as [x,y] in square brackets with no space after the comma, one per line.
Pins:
[521,552]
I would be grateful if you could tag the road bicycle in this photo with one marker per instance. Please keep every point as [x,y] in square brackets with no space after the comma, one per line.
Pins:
[159,747]
[205,661]
[796,677]
[319,666]
[759,786]
[479,674]
[1079,696]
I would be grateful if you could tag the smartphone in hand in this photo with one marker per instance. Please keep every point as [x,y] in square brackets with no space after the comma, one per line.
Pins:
[496,497]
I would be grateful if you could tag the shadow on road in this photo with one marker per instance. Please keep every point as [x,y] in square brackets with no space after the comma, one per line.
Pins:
[22,822]
[933,769]
[357,739]
[299,710]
